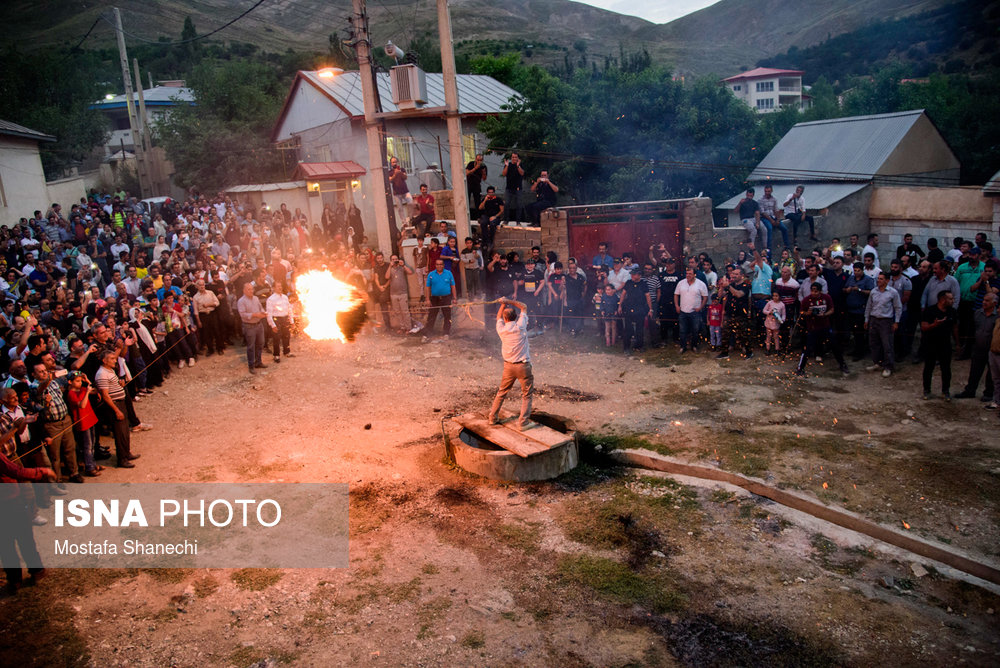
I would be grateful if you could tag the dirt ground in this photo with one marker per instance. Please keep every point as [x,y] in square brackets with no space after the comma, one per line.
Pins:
[605,566]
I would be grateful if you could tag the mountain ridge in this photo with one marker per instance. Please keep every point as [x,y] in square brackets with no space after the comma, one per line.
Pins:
[720,39]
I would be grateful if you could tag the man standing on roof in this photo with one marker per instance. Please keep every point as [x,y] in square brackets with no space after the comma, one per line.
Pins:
[513,331]
[400,194]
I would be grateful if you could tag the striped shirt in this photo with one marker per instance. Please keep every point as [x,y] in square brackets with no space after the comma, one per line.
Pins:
[107,379]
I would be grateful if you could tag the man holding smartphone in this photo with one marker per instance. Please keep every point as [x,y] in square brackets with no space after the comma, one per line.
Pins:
[513,172]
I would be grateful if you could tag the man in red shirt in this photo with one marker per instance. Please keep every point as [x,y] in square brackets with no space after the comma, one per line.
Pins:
[817,309]
[425,215]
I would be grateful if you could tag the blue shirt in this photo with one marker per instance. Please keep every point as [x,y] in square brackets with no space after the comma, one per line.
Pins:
[440,284]
[856,301]
[761,283]
[173,288]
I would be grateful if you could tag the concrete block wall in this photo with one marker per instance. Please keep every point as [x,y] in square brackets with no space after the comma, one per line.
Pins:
[519,239]
[555,233]
[891,232]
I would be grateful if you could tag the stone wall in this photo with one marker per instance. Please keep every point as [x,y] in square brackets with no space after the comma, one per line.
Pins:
[701,234]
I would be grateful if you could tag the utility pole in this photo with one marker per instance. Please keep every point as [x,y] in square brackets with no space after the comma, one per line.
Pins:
[459,194]
[152,171]
[130,105]
[376,162]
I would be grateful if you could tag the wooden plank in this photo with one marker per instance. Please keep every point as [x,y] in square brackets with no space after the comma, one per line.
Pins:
[533,430]
[508,437]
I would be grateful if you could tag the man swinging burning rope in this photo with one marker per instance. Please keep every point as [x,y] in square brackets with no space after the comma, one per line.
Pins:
[513,331]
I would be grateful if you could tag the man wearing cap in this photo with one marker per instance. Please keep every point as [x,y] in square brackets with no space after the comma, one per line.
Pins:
[635,304]
[512,329]
[618,276]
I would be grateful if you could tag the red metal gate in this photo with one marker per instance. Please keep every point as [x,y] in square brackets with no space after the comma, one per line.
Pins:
[630,227]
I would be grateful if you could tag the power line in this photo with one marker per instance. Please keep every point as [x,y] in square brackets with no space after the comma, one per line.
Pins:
[185,41]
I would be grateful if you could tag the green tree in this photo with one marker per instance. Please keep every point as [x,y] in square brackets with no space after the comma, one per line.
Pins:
[225,139]
[40,90]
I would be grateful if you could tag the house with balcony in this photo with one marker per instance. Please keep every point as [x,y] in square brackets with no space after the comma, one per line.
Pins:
[321,128]
[766,89]
[159,100]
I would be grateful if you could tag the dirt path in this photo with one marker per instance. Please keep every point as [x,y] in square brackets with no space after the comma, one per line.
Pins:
[603,567]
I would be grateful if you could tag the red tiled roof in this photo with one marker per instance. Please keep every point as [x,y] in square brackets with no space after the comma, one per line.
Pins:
[763,72]
[328,171]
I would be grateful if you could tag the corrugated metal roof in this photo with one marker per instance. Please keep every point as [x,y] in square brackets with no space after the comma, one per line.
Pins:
[992,186]
[158,95]
[343,169]
[852,148]
[816,195]
[763,72]
[477,93]
[266,187]
[15,130]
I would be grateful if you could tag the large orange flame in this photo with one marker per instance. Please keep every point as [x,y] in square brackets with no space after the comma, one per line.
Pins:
[323,297]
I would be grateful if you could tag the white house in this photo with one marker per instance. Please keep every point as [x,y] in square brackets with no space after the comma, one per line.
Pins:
[766,89]
[22,181]
[159,100]
[322,121]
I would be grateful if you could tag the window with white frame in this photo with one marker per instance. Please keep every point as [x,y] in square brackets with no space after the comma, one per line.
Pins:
[765,103]
[400,148]
[765,86]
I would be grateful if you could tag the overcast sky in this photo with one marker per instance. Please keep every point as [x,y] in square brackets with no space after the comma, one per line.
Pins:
[657,11]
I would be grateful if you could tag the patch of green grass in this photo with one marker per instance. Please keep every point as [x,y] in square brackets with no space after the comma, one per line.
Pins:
[248,656]
[617,515]
[429,612]
[256,579]
[614,580]
[722,496]
[39,628]
[168,575]
[205,586]
[740,452]
[609,442]
[474,640]
[518,537]
[166,615]
[822,544]
[402,591]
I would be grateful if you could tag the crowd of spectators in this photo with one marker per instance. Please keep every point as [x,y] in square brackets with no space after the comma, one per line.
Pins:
[839,300]
[103,302]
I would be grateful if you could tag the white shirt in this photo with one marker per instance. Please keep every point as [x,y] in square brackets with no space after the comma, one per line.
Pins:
[619,278]
[514,338]
[869,249]
[910,272]
[797,204]
[278,306]
[119,248]
[873,272]
[805,287]
[953,256]
[690,294]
